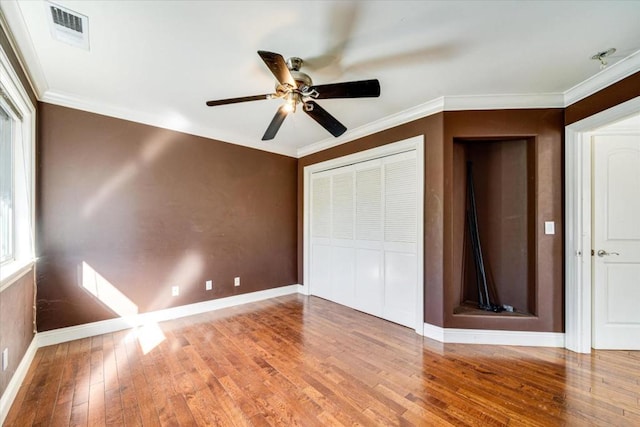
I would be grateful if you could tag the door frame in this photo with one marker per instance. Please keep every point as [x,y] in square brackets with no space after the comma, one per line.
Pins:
[578,230]
[414,143]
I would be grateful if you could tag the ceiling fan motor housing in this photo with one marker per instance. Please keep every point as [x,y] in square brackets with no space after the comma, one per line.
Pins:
[301,78]
[294,63]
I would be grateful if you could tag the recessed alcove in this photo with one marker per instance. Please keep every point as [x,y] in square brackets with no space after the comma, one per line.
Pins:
[504,182]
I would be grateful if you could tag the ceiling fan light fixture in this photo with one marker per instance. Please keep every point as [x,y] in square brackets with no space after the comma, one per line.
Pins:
[291,102]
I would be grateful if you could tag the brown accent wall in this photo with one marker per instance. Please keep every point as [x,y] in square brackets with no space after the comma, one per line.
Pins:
[617,93]
[126,211]
[431,128]
[545,127]
[16,323]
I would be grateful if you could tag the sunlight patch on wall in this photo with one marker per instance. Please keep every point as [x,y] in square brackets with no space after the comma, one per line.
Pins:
[109,295]
[123,175]
[185,273]
[149,152]
[149,335]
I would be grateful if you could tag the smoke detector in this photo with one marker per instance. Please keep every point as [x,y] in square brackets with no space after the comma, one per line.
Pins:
[68,26]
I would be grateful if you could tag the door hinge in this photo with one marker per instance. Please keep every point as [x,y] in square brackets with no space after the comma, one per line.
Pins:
[592,254]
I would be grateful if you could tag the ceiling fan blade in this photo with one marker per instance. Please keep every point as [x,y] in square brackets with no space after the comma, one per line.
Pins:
[357,89]
[342,19]
[241,99]
[278,67]
[325,119]
[275,124]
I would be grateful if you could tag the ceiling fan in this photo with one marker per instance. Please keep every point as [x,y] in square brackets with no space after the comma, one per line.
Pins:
[296,87]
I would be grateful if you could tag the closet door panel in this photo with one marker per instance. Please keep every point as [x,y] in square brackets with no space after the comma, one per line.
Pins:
[400,288]
[343,275]
[369,289]
[321,271]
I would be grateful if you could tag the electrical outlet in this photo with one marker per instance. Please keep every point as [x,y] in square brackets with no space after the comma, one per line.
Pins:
[5,359]
[175,291]
[236,281]
[208,285]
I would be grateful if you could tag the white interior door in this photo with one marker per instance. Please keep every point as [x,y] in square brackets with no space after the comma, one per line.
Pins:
[616,242]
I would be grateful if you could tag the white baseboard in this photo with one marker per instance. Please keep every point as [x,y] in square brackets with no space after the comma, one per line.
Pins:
[11,391]
[433,332]
[494,337]
[71,333]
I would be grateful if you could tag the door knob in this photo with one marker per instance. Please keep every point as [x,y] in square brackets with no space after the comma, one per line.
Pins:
[602,253]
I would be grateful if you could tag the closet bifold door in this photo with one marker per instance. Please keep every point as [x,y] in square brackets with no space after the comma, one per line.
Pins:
[342,231]
[369,248]
[364,236]
[321,235]
[400,238]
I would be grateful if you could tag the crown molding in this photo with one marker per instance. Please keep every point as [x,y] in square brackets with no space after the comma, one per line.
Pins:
[22,45]
[159,121]
[388,122]
[444,103]
[610,75]
[504,102]
[449,103]
[603,79]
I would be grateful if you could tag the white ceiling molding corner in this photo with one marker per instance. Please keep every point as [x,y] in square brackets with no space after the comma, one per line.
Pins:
[444,103]
[504,102]
[166,121]
[406,116]
[18,35]
[610,75]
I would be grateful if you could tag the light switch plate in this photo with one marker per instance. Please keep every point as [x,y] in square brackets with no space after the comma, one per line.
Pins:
[549,227]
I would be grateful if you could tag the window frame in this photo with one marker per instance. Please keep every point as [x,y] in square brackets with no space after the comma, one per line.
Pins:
[18,106]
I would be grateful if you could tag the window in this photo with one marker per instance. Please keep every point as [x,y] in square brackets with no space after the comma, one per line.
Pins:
[17,132]
[6,187]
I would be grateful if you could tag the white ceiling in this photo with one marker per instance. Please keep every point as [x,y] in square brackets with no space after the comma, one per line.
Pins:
[158,62]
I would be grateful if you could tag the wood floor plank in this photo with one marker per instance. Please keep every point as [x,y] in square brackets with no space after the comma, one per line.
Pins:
[304,361]
[97,409]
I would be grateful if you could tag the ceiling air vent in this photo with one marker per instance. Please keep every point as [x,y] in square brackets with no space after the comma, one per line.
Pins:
[68,26]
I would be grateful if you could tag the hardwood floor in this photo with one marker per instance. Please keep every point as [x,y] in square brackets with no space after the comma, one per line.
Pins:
[305,361]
